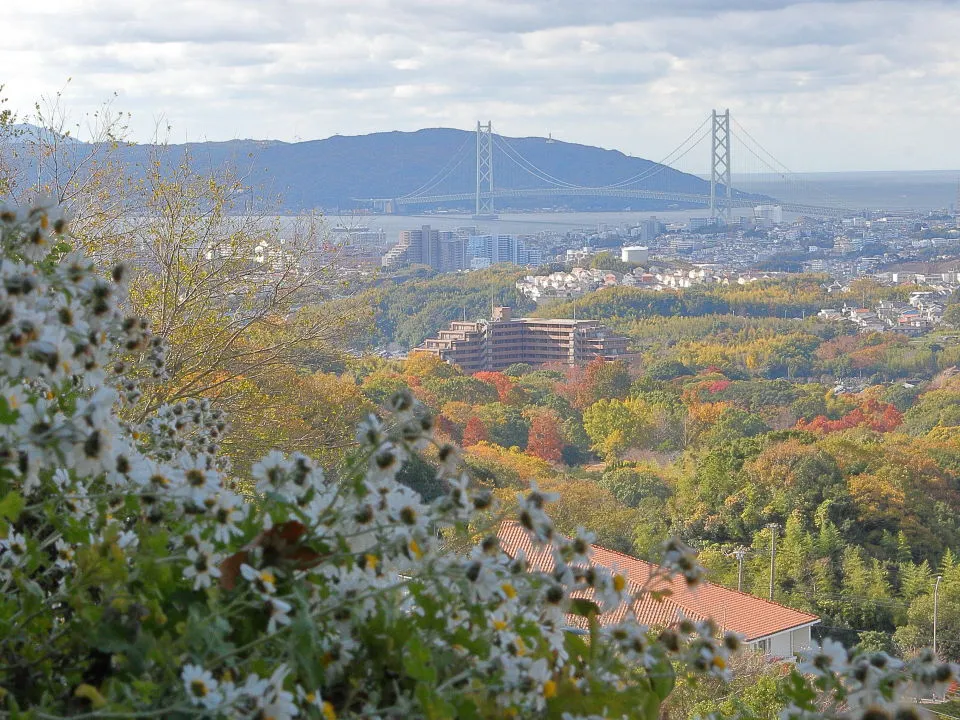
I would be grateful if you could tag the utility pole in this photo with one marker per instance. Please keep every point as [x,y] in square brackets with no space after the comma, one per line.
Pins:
[773,527]
[936,597]
[739,554]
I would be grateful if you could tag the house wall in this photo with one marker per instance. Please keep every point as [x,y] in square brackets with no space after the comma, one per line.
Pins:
[785,644]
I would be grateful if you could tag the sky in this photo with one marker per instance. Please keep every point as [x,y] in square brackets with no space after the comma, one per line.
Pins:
[824,86]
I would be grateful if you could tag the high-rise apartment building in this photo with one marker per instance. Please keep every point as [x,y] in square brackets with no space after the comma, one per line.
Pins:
[488,250]
[462,249]
[503,340]
[443,250]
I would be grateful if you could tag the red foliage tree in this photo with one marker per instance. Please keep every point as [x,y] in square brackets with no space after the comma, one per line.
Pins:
[507,391]
[474,431]
[598,380]
[449,428]
[717,386]
[876,415]
[546,441]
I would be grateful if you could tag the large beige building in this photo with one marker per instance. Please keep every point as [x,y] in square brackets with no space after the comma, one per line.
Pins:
[504,340]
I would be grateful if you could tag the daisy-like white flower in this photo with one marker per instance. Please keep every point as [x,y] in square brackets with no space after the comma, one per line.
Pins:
[271,473]
[541,675]
[386,462]
[449,457]
[13,549]
[77,503]
[370,431]
[275,702]
[200,481]
[254,686]
[61,478]
[14,396]
[128,540]
[65,554]
[201,687]
[278,612]
[226,512]
[313,698]
[203,565]
[264,581]
[679,558]
[532,515]
[822,660]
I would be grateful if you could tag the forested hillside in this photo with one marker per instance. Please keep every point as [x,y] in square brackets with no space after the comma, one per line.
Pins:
[727,419]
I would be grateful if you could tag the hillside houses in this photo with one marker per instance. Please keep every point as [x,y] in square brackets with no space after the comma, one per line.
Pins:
[922,313]
[577,282]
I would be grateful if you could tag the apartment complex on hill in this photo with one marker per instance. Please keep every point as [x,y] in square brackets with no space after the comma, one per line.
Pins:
[504,340]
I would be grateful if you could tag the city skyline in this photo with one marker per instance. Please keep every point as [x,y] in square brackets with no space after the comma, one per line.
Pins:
[827,86]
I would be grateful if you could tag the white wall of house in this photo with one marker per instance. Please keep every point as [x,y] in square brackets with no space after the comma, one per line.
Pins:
[785,644]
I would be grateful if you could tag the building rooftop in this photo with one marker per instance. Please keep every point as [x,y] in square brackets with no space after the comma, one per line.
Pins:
[753,617]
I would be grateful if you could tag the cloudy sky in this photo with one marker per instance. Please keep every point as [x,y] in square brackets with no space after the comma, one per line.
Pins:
[836,85]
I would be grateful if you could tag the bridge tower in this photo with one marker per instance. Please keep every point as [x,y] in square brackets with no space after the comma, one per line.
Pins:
[720,165]
[484,204]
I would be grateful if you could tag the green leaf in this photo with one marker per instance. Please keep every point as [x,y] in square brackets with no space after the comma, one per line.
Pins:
[583,607]
[434,706]
[12,505]
[416,661]
[8,416]
[662,678]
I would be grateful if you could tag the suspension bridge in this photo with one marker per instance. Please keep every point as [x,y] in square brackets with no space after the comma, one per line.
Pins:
[675,179]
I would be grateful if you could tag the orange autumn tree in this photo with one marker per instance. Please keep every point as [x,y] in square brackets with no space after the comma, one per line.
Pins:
[546,440]
[474,432]
[871,413]
[598,380]
[507,390]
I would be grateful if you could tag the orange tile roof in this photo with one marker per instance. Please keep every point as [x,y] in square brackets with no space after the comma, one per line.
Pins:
[753,617]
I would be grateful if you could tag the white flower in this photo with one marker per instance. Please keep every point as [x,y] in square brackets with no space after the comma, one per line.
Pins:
[201,688]
[65,553]
[61,478]
[14,396]
[822,660]
[309,697]
[200,482]
[278,703]
[264,581]
[254,686]
[13,549]
[128,539]
[77,503]
[271,473]
[532,515]
[203,565]
[278,611]
[226,512]
[449,457]
[370,431]
[385,463]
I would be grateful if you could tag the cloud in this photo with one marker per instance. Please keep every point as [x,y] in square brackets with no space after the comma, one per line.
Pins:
[827,85]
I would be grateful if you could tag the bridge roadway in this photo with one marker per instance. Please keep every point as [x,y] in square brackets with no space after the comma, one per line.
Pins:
[735,202]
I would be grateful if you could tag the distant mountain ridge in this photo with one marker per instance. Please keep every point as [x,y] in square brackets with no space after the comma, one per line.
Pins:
[332,174]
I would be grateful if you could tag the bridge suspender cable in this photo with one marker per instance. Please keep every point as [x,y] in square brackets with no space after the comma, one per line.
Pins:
[445,171]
